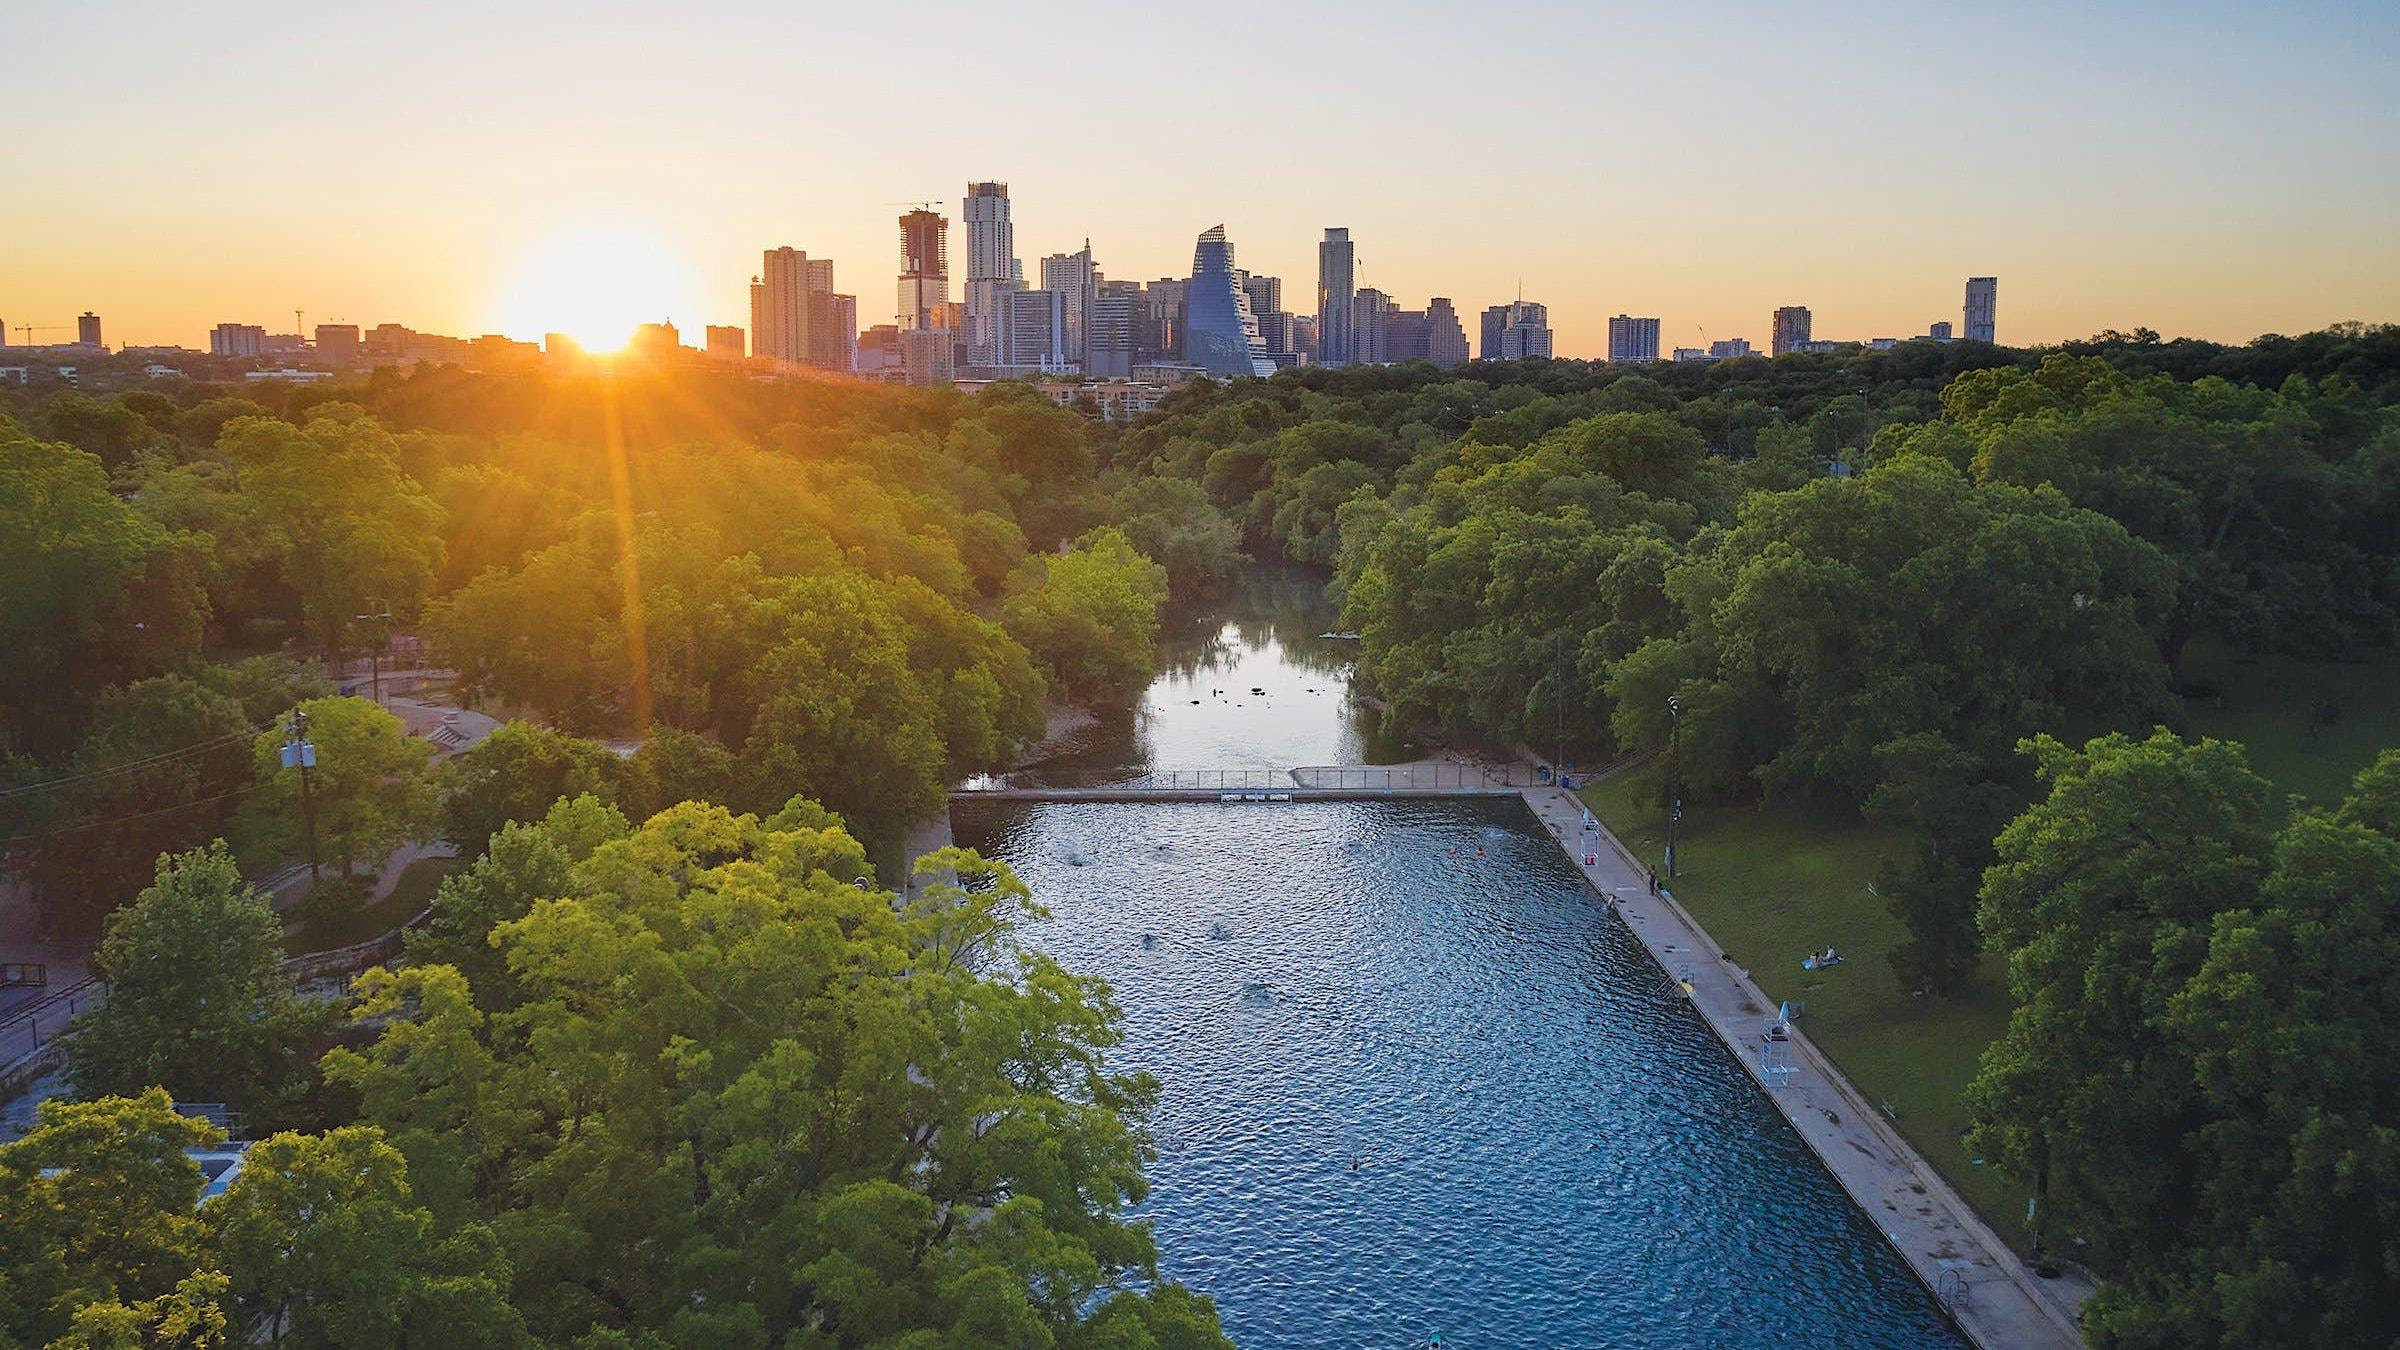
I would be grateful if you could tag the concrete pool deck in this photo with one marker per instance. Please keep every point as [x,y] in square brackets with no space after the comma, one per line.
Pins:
[1991,1292]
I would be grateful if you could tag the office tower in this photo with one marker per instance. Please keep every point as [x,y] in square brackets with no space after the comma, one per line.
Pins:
[782,304]
[1160,337]
[924,268]
[1940,332]
[1983,304]
[87,329]
[832,327]
[337,343]
[1632,339]
[1791,329]
[1728,348]
[992,267]
[1304,337]
[926,356]
[1073,277]
[1266,293]
[1110,329]
[1445,336]
[655,340]
[1220,333]
[1035,331]
[1516,330]
[233,339]
[1370,328]
[726,342]
[1337,297]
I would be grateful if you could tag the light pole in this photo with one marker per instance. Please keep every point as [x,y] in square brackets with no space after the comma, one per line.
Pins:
[1674,789]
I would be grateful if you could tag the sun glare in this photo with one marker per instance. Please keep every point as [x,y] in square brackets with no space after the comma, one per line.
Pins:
[594,285]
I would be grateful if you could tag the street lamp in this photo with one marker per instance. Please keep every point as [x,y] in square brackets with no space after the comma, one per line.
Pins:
[1674,790]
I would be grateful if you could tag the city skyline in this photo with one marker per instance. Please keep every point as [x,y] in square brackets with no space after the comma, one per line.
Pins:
[2109,198]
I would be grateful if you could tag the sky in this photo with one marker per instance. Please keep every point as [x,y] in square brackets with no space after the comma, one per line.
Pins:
[2202,169]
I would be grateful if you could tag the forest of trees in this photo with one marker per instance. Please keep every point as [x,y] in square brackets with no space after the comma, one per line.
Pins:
[669,1066]
[1900,586]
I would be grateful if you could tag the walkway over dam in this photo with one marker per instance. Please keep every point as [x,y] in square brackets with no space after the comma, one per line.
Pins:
[1331,782]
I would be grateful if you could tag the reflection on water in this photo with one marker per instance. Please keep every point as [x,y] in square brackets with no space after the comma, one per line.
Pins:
[1244,683]
[1415,1081]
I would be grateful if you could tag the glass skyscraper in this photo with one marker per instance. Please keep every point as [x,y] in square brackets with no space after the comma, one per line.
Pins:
[1220,332]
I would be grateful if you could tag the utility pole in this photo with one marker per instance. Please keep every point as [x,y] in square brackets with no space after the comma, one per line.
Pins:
[301,753]
[1674,789]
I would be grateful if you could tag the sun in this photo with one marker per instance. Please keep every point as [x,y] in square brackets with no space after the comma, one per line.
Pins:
[594,284]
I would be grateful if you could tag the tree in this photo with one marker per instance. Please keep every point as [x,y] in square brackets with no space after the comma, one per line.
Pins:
[515,774]
[2103,897]
[353,533]
[324,1244]
[157,773]
[370,791]
[99,1198]
[1093,620]
[197,999]
[92,592]
[1952,805]
[734,1097]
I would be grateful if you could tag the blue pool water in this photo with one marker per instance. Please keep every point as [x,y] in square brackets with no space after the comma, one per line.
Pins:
[1417,1081]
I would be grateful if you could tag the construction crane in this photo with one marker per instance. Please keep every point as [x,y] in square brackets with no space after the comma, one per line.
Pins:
[921,206]
[29,329]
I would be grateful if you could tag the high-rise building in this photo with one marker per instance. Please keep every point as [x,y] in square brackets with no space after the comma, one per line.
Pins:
[87,329]
[924,268]
[1632,339]
[1445,336]
[926,356]
[656,341]
[992,267]
[1035,333]
[832,328]
[1160,336]
[1220,332]
[1370,327]
[1337,295]
[1110,329]
[782,304]
[337,343]
[725,342]
[1725,349]
[233,339]
[1791,329]
[1940,332]
[1983,306]
[1516,330]
[1074,277]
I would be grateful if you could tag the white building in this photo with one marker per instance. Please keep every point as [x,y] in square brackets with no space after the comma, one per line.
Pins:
[992,268]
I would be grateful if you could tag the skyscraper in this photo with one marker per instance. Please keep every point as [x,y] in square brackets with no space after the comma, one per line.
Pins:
[725,342]
[1445,336]
[1516,330]
[1791,329]
[87,329]
[1160,334]
[1035,331]
[1983,306]
[1274,323]
[1074,278]
[1370,328]
[924,268]
[1220,332]
[992,267]
[779,303]
[1337,293]
[1632,339]
[1109,331]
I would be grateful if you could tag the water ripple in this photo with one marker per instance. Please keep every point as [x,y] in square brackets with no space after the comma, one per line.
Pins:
[1415,1081]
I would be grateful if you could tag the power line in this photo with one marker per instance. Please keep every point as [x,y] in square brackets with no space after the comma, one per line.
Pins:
[128,820]
[131,766]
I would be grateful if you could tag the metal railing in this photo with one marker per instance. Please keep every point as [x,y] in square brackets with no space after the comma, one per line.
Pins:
[1432,776]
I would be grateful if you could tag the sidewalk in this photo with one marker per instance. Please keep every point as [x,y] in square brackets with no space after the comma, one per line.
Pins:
[1994,1296]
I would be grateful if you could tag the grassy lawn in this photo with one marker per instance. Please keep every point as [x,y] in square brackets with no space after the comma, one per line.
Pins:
[357,923]
[2267,703]
[1773,884]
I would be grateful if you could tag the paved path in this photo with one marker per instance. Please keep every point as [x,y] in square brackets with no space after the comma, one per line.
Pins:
[1992,1293]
